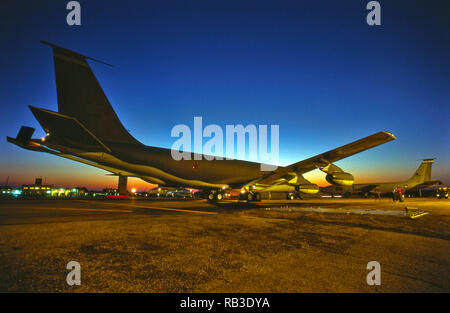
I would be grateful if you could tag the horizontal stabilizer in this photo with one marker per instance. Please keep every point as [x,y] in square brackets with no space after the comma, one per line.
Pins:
[67,131]
[428,184]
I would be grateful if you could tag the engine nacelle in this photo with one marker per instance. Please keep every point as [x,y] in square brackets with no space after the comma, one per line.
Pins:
[340,179]
[307,188]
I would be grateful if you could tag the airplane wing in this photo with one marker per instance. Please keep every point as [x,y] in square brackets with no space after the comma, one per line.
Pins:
[323,159]
[369,188]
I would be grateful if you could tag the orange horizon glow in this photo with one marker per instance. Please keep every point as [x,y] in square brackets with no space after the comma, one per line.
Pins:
[92,182]
[100,182]
[68,174]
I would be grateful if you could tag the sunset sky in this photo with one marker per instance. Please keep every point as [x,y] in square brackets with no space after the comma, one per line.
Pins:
[315,68]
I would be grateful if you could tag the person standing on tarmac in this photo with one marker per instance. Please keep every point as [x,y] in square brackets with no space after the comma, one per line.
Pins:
[394,194]
[400,194]
[377,194]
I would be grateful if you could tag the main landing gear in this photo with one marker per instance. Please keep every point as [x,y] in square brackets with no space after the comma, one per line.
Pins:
[292,196]
[215,195]
[250,196]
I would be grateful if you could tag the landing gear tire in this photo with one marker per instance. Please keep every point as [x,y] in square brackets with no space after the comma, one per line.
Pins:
[214,196]
[253,197]
[290,196]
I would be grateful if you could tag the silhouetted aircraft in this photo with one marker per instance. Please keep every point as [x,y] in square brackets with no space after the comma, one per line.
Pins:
[419,180]
[86,129]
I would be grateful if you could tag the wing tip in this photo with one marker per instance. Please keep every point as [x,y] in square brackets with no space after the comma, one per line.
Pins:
[389,134]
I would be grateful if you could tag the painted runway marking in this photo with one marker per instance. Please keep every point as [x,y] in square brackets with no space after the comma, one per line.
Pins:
[158,208]
[77,209]
[97,210]
[171,209]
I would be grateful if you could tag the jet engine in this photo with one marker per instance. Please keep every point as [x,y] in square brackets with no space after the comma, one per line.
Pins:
[340,179]
[307,188]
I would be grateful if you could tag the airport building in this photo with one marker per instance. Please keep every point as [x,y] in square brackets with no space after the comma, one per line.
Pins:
[8,192]
[36,189]
[5,189]
[39,190]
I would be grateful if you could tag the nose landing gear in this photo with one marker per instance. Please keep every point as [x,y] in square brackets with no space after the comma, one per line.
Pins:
[250,196]
[292,196]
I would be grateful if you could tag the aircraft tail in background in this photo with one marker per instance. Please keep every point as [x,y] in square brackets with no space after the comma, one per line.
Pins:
[423,173]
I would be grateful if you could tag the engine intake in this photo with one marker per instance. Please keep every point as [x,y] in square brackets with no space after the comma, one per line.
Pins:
[340,179]
[307,188]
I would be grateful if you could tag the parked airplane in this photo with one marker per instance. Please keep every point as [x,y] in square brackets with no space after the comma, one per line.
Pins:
[419,180]
[86,129]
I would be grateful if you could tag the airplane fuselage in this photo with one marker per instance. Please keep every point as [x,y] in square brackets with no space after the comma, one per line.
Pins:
[366,189]
[156,165]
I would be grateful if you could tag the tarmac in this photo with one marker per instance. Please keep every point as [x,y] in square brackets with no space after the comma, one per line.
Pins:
[314,245]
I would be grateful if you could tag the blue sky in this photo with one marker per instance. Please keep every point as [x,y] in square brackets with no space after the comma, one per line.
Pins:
[314,68]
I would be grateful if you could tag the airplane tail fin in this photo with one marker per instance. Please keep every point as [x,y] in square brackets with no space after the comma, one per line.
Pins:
[81,96]
[423,173]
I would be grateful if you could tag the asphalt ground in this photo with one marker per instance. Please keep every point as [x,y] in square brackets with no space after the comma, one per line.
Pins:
[195,246]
